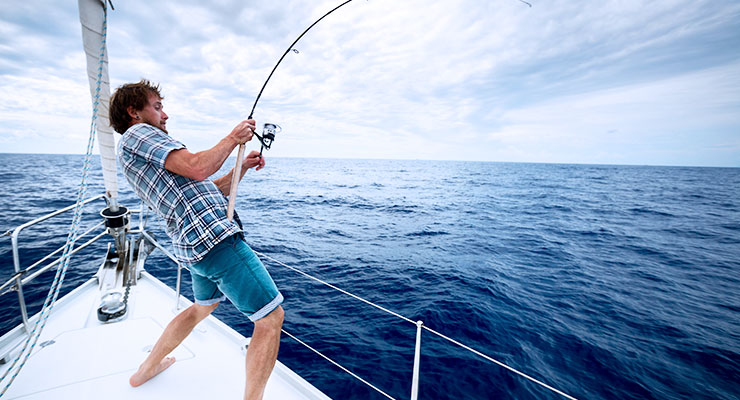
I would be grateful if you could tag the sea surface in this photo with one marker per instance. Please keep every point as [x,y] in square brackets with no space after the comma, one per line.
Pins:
[606,282]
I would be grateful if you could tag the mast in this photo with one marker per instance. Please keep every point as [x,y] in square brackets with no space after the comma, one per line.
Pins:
[93,21]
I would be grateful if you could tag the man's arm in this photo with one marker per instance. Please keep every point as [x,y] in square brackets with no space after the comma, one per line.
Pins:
[205,163]
[252,160]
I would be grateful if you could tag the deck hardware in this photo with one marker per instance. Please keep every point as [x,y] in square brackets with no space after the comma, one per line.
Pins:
[112,307]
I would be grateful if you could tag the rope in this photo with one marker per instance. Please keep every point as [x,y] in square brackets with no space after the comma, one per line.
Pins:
[468,348]
[71,236]
[336,288]
[489,358]
[337,364]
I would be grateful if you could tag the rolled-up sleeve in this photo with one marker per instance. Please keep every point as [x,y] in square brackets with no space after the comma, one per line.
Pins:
[152,145]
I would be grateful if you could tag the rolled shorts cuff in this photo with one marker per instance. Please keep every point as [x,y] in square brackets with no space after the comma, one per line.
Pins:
[210,302]
[267,309]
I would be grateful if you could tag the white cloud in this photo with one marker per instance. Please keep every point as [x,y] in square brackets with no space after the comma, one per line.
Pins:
[562,81]
[687,112]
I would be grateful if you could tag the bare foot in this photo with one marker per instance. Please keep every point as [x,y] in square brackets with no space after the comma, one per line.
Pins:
[141,376]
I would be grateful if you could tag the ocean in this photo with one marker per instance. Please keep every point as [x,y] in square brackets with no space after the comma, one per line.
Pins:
[606,282]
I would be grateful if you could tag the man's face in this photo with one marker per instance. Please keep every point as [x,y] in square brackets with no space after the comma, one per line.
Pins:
[152,113]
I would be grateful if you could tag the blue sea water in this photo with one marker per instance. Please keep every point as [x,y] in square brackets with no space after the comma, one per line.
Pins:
[607,282]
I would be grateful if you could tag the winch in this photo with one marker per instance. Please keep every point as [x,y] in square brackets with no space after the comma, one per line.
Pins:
[113,303]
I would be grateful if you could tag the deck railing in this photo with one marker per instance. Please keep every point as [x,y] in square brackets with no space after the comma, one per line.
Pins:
[22,277]
[418,324]
[417,348]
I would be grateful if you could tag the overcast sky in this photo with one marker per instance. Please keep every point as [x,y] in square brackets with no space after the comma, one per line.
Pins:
[607,82]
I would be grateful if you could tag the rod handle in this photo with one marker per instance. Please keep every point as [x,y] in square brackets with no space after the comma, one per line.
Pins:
[235,183]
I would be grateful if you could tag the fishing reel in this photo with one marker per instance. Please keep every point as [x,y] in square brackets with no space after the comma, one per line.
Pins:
[268,135]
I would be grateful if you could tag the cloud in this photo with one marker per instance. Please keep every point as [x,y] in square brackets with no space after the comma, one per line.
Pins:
[561,81]
[682,114]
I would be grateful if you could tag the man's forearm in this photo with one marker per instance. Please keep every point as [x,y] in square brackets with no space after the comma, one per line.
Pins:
[202,164]
[211,160]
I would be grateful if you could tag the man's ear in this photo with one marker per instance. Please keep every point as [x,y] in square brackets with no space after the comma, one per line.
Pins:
[132,112]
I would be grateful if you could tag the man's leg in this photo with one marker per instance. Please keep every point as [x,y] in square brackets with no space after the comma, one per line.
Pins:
[262,353]
[177,330]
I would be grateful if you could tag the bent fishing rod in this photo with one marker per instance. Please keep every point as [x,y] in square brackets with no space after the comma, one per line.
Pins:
[268,136]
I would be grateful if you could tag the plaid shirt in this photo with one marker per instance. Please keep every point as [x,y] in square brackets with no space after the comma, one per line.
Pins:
[194,211]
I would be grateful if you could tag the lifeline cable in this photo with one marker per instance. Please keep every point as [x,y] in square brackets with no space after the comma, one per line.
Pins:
[395,314]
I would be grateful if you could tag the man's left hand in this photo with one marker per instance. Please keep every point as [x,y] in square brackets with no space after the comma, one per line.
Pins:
[254,159]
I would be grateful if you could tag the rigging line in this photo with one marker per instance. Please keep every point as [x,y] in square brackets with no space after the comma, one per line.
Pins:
[56,286]
[72,236]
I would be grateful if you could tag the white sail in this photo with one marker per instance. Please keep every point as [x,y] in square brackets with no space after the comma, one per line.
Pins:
[92,18]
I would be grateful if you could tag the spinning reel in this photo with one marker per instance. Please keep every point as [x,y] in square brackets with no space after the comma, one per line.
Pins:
[268,135]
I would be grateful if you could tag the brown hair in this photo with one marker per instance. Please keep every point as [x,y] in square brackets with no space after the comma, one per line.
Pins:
[134,95]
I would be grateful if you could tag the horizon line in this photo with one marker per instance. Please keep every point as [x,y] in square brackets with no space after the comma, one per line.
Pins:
[437,160]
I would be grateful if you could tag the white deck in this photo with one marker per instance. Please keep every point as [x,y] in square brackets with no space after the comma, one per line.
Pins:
[91,360]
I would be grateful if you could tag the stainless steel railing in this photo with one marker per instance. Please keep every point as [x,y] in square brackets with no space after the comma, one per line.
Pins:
[17,281]
[19,278]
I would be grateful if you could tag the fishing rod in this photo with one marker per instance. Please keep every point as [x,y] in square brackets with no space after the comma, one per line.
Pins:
[268,134]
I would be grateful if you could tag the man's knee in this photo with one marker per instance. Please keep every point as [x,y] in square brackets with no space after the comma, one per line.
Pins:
[201,311]
[273,320]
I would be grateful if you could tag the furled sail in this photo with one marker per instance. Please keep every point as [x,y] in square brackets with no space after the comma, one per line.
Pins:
[93,20]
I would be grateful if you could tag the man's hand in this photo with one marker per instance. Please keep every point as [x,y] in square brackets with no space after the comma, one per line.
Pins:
[253,159]
[243,132]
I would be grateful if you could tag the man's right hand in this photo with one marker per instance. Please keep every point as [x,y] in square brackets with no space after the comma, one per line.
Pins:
[243,132]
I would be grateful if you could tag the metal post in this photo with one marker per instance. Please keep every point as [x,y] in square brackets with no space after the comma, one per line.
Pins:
[177,295]
[19,280]
[143,216]
[417,358]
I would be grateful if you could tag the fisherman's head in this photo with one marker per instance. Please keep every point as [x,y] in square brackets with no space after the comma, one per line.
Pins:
[134,103]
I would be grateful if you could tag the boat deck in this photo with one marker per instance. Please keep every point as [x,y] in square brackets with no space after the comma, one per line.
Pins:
[79,357]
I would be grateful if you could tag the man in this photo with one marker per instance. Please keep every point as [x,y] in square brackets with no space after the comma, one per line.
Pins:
[174,182]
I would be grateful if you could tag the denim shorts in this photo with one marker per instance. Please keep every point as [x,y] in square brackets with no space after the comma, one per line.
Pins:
[232,270]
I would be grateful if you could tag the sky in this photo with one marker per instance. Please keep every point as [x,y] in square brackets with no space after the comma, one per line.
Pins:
[607,82]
